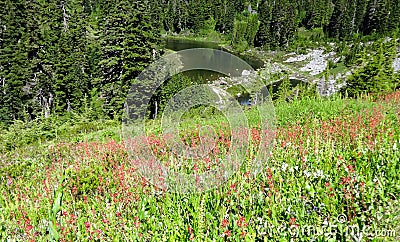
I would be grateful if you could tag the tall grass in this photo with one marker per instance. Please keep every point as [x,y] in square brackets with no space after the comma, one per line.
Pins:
[334,163]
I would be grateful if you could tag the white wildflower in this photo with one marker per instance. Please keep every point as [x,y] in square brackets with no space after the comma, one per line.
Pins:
[284,166]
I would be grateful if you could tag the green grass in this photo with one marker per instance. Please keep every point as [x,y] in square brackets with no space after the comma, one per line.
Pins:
[206,36]
[339,68]
[331,157]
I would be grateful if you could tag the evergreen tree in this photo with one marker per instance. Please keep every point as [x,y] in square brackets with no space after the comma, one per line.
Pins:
[284,23]
[245,31]
[14,64]
[73,44]
[278,23]
[394,16]
[38,85]
[198,14]
[376,73]
[318,13]
[129,43]
[264,35]
[239,5]
[377,16]
[224,14]
[343,20]
[167,16]
[361,8]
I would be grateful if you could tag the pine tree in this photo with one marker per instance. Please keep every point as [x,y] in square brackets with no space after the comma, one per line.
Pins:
[14,64]
[376,73]
[394,16]
[167,16]
[39,93]
[318,13]
[284,23]
[343,20]
[264,35]
[129,43]
[224,14]
[278,23]
[198,13]
[239,6]
[361,8]
[251,28]
[377,16]
[73,41]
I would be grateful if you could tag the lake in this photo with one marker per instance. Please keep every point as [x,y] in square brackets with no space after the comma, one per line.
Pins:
[182,44]
[206,75]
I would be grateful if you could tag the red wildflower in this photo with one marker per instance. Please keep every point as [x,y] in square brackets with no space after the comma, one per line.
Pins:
[28,228]
[345,180]
[190,229]
[241,222]
[351,168]
[227,233]
[224,223]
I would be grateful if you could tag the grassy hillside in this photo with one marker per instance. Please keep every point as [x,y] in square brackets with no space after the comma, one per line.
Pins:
[334,164]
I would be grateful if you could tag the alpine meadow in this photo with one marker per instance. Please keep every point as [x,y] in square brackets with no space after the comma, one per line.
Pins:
[199,120]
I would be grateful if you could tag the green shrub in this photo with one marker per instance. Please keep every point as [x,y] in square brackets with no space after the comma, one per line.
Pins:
[86,181]
[376,74]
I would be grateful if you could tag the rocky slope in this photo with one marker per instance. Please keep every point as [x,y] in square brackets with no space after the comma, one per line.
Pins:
[307,67]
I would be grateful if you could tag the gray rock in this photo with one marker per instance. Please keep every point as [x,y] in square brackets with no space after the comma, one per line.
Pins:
[396,64]
[246,73]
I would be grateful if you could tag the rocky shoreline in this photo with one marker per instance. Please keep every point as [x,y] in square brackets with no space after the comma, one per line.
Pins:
[307,67]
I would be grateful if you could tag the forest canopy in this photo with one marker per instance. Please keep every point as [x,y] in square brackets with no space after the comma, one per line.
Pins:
[56,55]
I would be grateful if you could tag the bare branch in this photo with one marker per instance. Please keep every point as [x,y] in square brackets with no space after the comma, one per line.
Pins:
[65,17]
